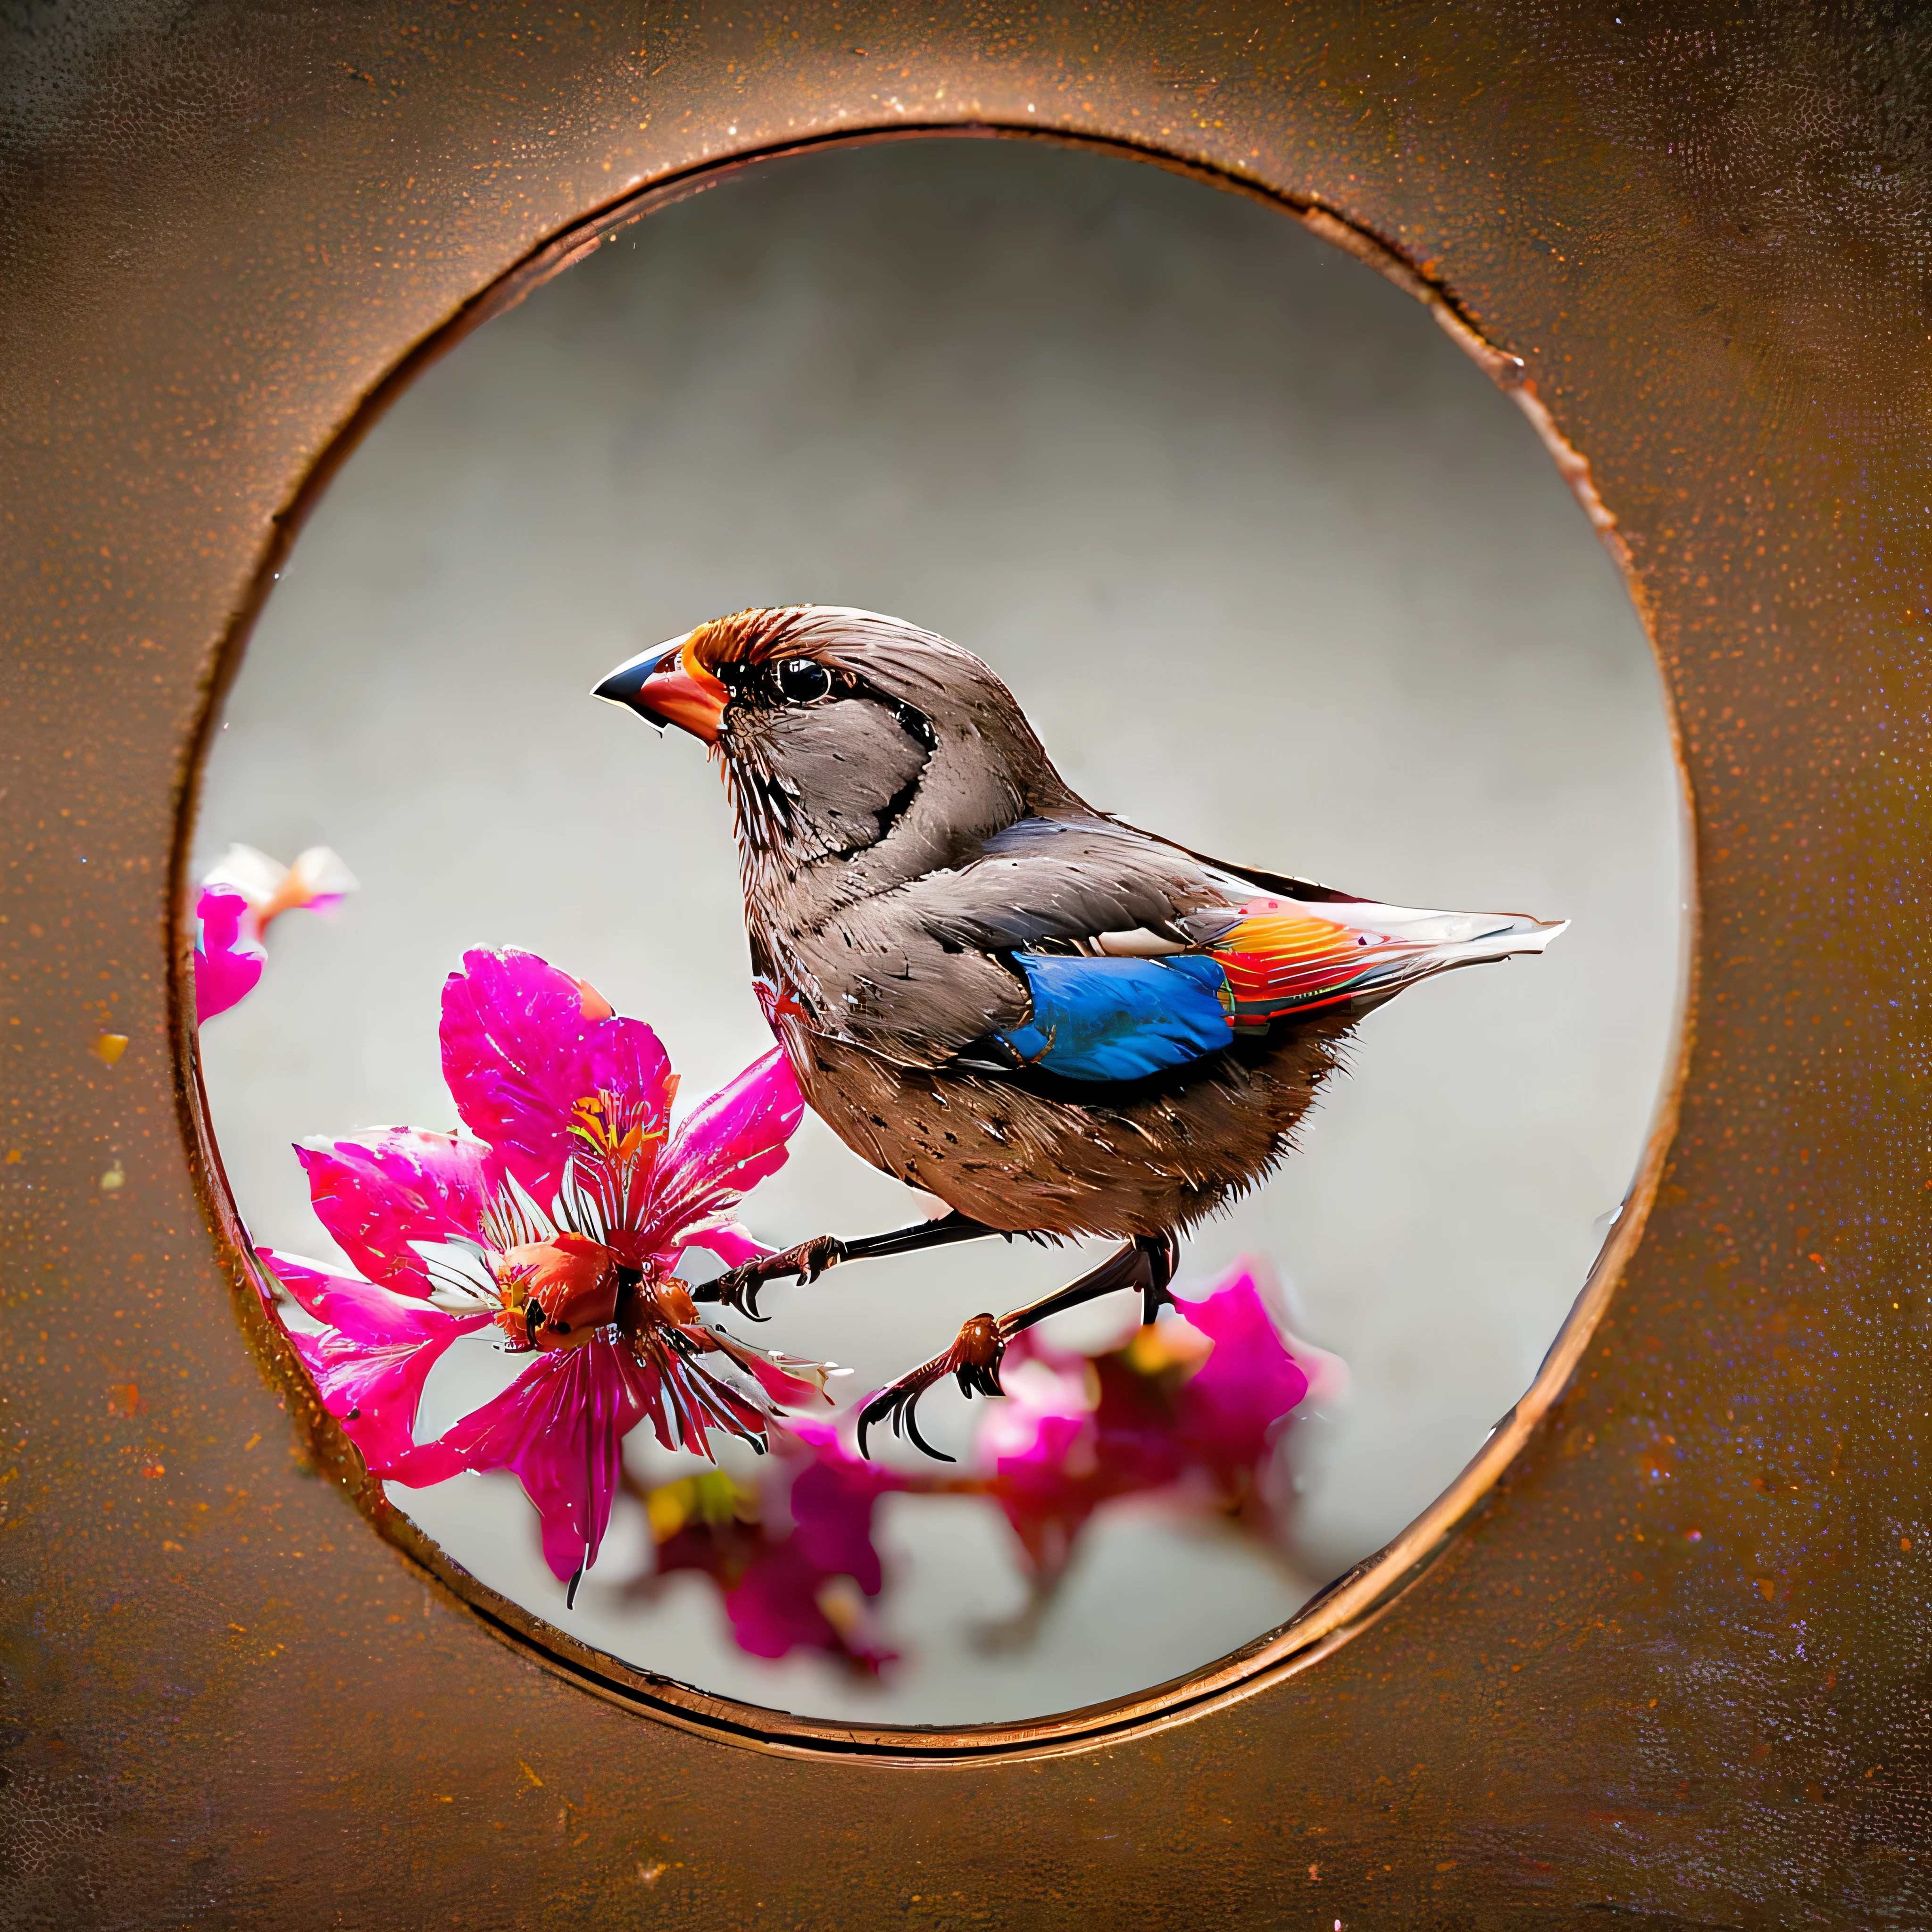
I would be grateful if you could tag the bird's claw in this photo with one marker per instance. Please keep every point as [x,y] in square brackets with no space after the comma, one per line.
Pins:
[975,1357]
[738,1288]
[973,1361]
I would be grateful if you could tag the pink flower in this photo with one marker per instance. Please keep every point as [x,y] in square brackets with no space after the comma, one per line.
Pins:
[562,1225]
[239,898]
[793,1559]
[1191,1406]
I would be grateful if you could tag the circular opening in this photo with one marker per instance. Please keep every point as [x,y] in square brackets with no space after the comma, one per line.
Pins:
[1272,569]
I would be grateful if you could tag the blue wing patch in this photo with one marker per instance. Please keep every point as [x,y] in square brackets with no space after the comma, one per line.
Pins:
[1119,1019]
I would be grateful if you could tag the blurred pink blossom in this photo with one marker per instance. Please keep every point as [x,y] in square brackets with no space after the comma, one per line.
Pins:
[1189,1408]
[239,898]
[793,1557]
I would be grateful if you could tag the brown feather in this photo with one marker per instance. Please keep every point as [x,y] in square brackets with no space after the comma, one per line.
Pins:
[1027,1161]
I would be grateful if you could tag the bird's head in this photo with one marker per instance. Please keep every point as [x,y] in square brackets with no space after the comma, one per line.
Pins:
[844,734]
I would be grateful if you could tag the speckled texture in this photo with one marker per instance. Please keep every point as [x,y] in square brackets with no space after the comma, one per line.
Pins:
[1675,1663]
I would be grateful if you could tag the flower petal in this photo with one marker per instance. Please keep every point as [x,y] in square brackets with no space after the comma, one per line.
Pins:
[519,1052]
[780,1605]
[832,1502]
[773,1608]
[318,880]
[378,1193]
[795,1567]
[1075,1431]
[1232,1408]
[369,1364]
[560,1426]
[729,1143]
[790,1382]
[228,962]
[691,1398]
[731,1242]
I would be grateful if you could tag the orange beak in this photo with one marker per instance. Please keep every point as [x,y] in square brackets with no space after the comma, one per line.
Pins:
[669,686]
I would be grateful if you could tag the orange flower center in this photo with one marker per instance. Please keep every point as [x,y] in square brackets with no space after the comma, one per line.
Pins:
[557,1293]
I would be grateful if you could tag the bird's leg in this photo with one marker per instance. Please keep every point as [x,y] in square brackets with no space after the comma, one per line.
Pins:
[1147,1263]
[738,1288]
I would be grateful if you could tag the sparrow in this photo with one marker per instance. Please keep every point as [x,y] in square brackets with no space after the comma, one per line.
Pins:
[1058,1024]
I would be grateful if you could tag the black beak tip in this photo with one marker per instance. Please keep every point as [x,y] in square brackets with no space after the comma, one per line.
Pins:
[624,686]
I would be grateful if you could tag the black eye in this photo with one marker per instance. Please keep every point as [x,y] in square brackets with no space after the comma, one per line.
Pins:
[800,680]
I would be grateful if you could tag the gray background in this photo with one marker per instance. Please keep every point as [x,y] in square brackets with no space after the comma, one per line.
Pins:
[1274,571]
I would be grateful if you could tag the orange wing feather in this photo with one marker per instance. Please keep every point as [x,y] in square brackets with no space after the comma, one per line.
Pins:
[1283,958]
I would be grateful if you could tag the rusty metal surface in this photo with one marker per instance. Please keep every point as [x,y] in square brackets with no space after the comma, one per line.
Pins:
[1674,1663]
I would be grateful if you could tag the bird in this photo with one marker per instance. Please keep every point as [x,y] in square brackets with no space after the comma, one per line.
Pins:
[1058,1024]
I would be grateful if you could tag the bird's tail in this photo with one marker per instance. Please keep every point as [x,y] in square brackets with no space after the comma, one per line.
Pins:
[1284,956]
